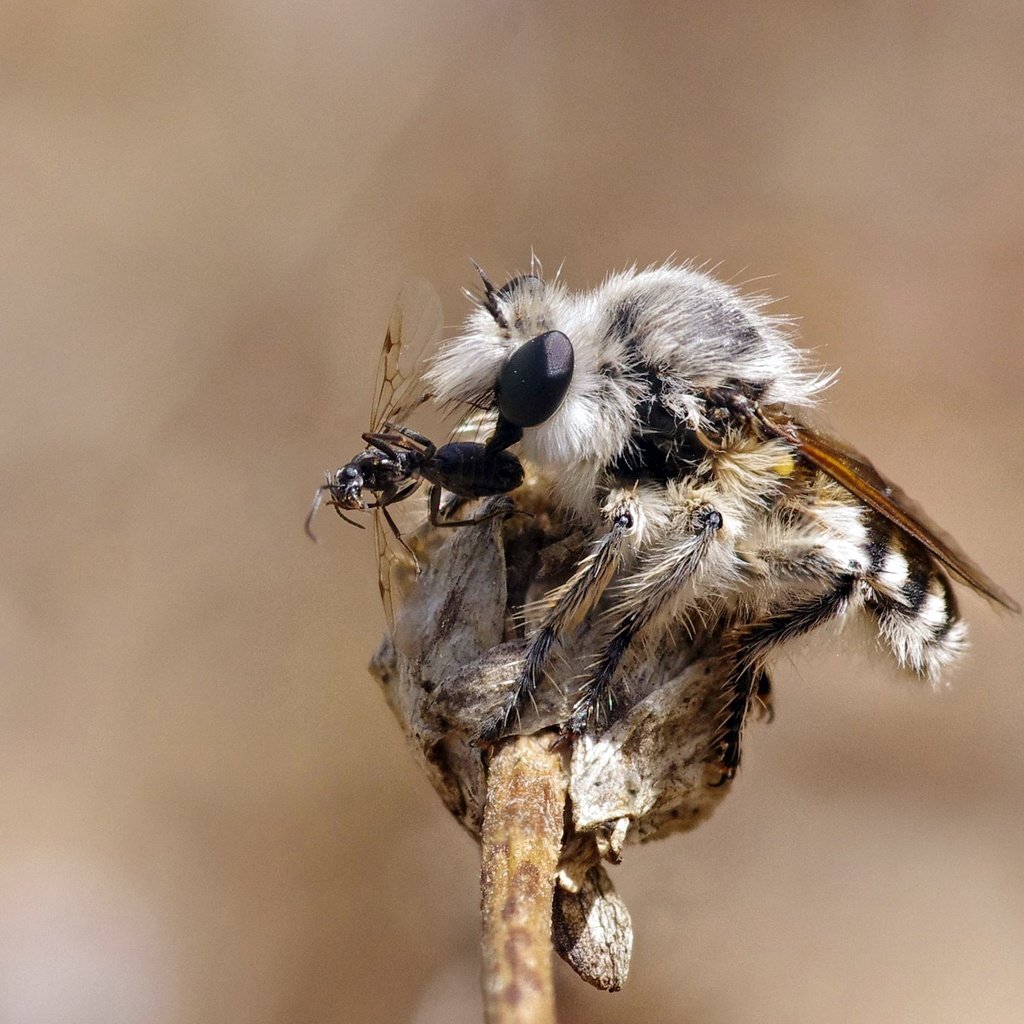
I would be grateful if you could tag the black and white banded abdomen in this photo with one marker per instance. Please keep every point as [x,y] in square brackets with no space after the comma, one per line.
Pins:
[912,600]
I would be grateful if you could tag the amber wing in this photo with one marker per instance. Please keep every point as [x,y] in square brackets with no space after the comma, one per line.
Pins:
[848,467]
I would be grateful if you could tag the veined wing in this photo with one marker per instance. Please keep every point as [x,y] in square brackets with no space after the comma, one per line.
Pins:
[415,326]
[853,471]
[413,331]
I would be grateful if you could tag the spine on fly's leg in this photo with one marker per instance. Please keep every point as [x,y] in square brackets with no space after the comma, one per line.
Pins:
[598,688]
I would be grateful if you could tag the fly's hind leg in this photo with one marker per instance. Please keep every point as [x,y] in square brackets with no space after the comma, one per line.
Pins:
[569,604]
[653,588]
[751,644]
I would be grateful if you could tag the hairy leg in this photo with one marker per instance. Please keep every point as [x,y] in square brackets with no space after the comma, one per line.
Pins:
[568,605]
[652,589]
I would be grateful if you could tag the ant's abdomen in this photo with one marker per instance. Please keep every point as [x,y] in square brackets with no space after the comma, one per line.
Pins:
[470,471]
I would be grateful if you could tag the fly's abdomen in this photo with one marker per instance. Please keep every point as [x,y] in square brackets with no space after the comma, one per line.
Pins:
[913,602]
[470,471]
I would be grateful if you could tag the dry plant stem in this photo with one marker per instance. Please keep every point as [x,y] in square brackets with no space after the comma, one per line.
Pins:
[522,840]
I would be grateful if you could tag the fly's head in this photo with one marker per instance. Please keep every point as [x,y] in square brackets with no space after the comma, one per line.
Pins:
[514,356]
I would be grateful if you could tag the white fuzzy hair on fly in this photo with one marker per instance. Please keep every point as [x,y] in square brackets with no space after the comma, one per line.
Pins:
[715,510]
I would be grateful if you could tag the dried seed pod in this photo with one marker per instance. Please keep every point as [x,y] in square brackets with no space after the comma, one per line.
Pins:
[457,642]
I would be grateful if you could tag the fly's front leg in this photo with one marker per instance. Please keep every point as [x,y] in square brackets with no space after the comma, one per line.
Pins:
[570,604]
[653,588]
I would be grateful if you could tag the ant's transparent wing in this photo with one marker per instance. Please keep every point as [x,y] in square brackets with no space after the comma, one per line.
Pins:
[415,328]
[413,333]
[397,563]
[385,566]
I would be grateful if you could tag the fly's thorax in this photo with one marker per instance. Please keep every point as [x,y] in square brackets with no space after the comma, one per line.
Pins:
[698,333]
[751,471]
[646,344]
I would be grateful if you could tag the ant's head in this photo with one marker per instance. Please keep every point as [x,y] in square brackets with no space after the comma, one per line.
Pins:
[346,487]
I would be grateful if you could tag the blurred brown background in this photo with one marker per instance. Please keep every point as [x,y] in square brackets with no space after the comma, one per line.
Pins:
[207,210]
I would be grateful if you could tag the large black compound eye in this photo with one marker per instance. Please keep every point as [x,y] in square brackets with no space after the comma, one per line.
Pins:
[534,381]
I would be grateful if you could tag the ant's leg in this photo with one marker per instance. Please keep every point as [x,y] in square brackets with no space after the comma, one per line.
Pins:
[399,537]
[394,430]
[568,605]
[394,494]
[383,443]
[650,590]
[480,517]
[391,496]
[338,508]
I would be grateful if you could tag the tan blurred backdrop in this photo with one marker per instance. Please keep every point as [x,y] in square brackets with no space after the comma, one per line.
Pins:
[207,209]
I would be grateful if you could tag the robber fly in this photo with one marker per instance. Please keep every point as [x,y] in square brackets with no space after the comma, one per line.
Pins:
[716,509]
[398,459]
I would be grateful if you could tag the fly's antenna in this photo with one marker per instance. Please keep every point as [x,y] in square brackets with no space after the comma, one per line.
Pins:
[490,302]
